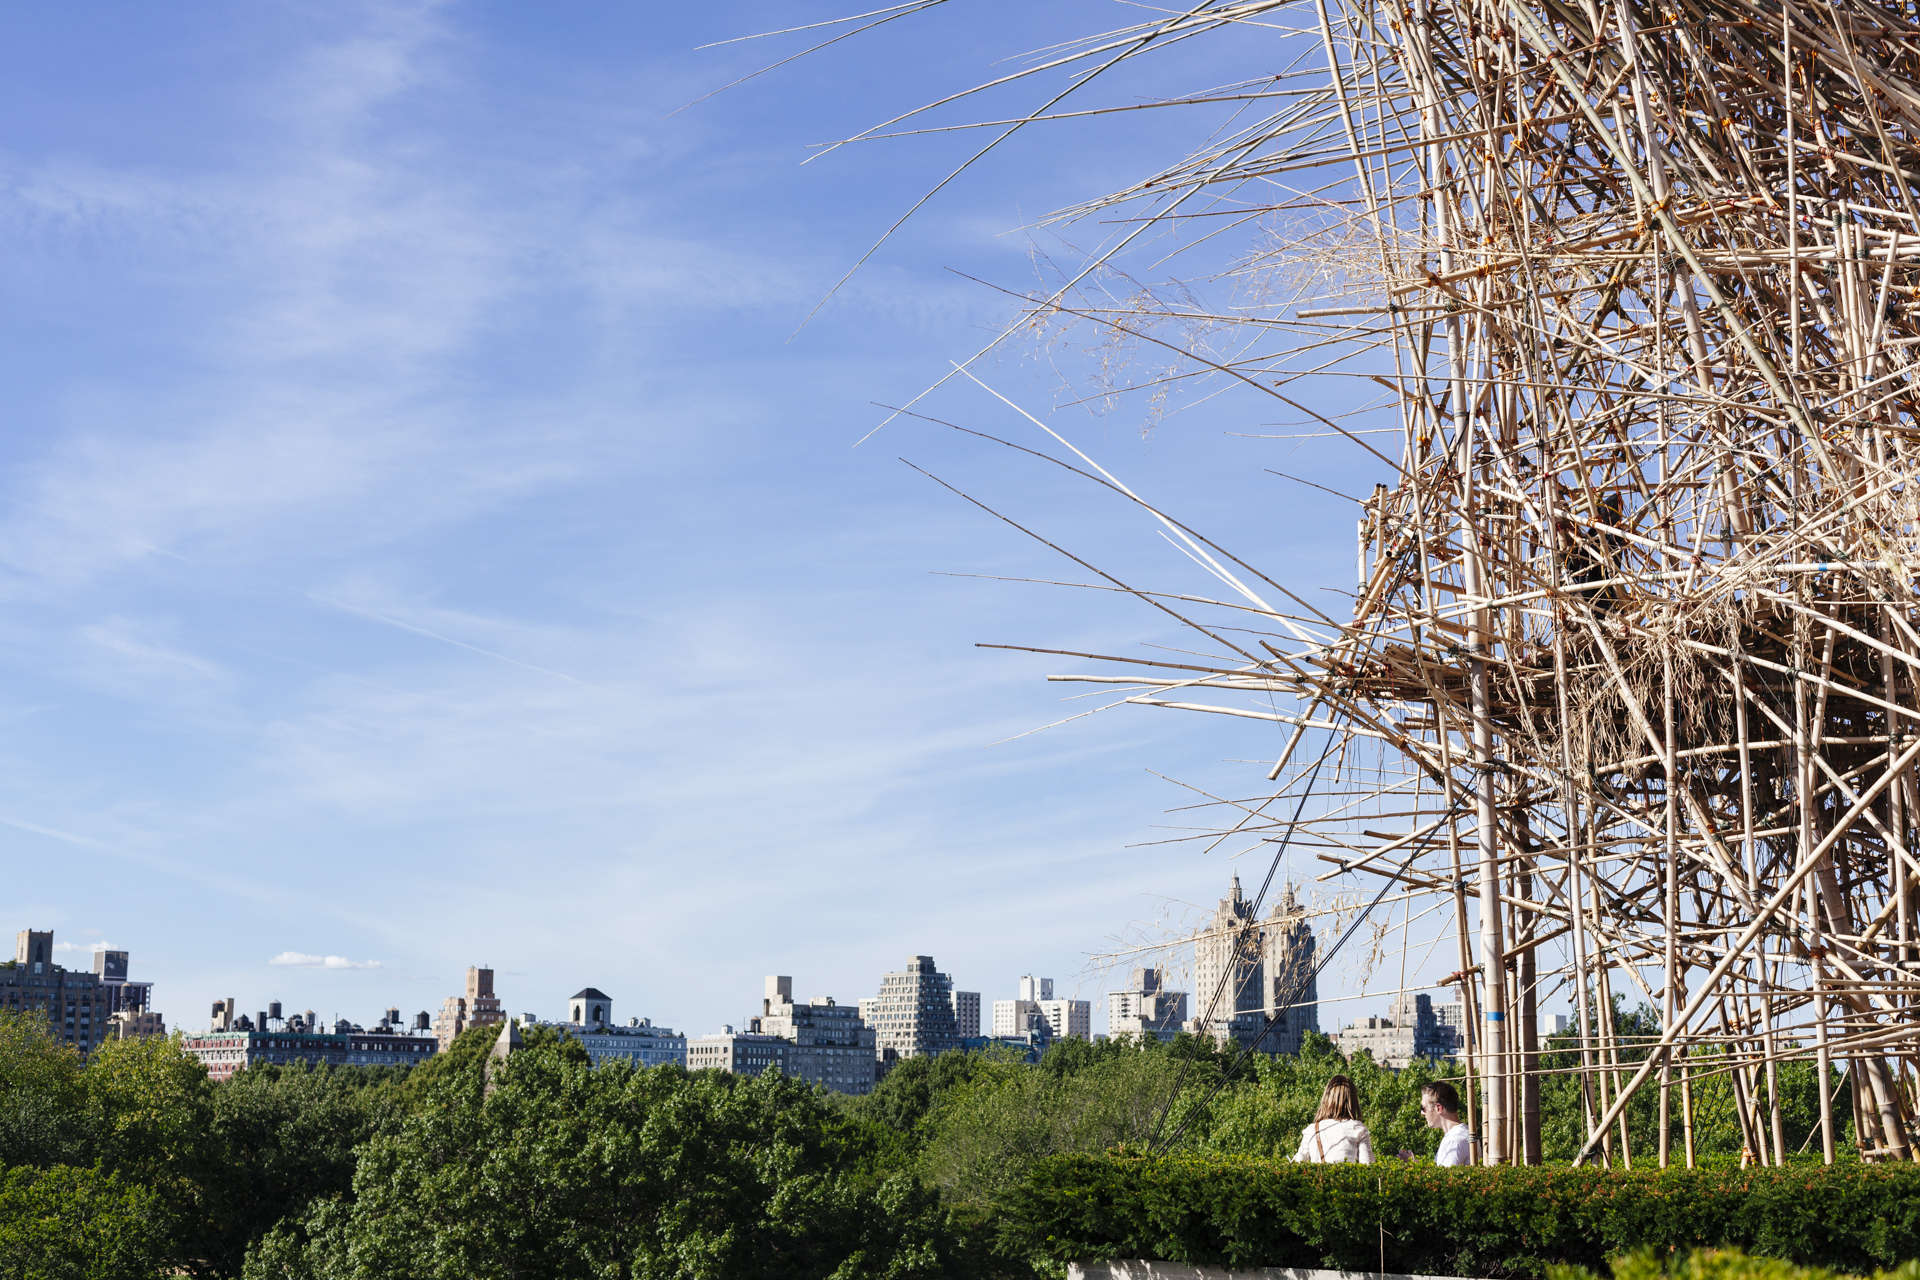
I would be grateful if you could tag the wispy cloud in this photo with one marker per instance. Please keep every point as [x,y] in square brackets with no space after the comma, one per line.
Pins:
[300,960]
[86,948]
[422,521]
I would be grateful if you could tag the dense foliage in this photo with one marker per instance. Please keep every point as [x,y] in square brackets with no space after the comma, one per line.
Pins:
[1716,1264]
[567,1171]
[966,1164]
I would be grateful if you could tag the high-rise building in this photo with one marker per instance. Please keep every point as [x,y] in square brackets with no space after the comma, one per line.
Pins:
[77,1007]
[1451,1020]
[1146,1008]
[913,1014]
[1064,1019]
[966,1014]
[1248,972]
[479,1007]
[827,1042]
[1228,977]
[123,995]
[1017,1017]
[1069,1019]
[1293,992]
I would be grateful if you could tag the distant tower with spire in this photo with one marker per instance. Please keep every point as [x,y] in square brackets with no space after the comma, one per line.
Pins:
[1247,971]
[1292,992]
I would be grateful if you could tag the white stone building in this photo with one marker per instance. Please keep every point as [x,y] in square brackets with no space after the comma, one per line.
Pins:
[1064,1019]
[1069,1019]
[1146,1008]
[639,1042]
[590,1007]
[590,1021]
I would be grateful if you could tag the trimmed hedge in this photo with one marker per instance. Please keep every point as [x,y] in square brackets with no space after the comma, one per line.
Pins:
[1717,1264]
[1244,1211]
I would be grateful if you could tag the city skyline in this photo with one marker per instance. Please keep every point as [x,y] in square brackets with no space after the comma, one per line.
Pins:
[1066,1016]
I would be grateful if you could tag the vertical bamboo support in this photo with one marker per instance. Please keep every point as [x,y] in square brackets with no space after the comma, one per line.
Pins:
[1492,946]
[1529,1037]
[1858,1092]
[1686,1104]
[1670,908]
[1775,1113]
[1752,1149]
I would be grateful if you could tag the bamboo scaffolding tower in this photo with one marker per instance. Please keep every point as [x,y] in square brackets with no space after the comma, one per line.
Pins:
[1632,668]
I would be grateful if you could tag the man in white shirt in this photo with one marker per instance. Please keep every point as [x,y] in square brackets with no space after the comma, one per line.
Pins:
[1440,1104]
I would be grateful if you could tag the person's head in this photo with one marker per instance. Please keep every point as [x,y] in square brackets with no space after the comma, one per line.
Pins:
[1341,1101]
[1440,1104]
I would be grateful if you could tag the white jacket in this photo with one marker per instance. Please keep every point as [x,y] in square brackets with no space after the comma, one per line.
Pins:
[1335,1142]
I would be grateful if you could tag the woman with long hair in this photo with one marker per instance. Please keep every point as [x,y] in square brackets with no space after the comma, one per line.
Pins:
[1337,1134]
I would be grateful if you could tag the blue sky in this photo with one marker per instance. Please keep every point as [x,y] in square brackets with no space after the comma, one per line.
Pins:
[425,539]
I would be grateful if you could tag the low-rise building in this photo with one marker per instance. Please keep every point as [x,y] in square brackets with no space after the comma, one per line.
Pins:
[225,1052]
[590,1007]
[828,1043]
[590,1021]
[639,1042]
[742,1053]
[1146,1008]
[76,1005]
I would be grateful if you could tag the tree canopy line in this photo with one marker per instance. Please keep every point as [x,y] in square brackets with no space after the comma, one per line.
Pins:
[135,1164]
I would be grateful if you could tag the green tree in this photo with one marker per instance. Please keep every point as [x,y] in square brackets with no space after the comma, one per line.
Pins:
[77,1224]
[41,1120]
[466,1051]
[990,1131]
[283,1138]
[904,1110]
[148,1108]
[564,1170]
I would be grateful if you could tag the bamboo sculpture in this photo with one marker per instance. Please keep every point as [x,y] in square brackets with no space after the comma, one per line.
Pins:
[1634,652]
